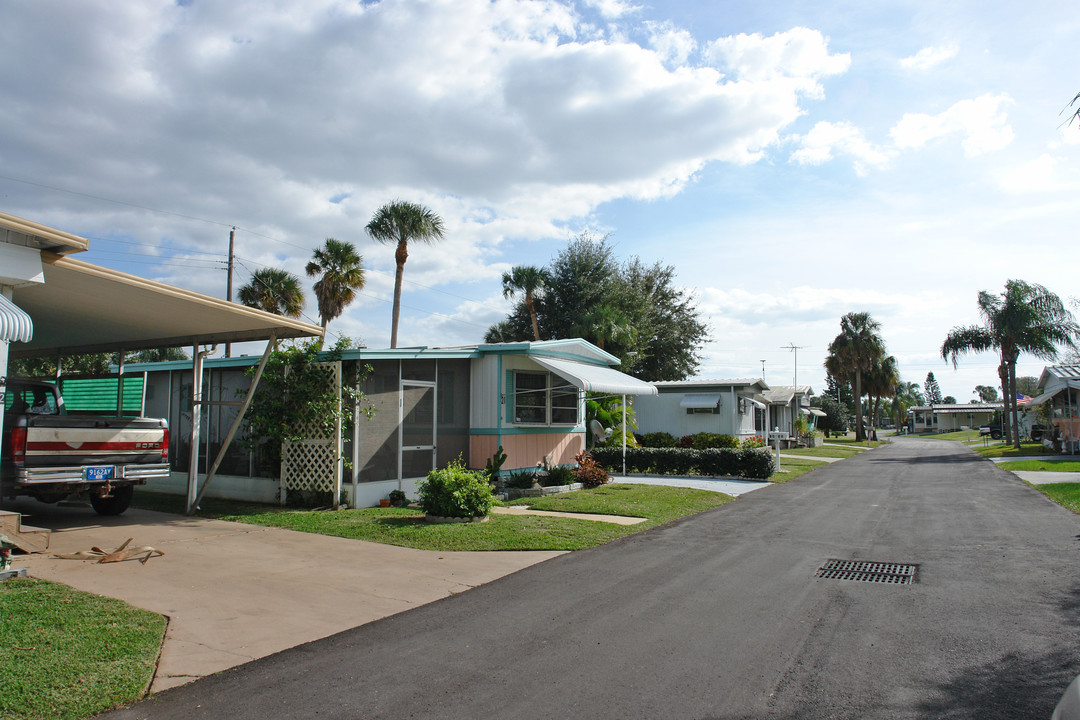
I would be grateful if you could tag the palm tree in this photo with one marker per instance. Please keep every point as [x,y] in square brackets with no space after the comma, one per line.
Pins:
[906,395]
[274,290]
[531,281]
[881,382]
[342,270]
[603,323]
[399,222]
[1025,318]
[854,352]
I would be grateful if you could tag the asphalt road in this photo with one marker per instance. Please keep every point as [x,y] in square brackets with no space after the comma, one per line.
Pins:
[721,616]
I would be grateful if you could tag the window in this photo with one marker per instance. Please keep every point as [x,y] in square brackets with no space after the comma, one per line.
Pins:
[542,398]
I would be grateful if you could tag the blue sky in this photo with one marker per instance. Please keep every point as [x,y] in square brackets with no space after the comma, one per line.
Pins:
[794,161]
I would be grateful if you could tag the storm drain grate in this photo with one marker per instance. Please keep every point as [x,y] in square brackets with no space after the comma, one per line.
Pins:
[868,571]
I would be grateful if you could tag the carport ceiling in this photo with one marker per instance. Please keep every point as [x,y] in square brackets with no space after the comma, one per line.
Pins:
[84,308]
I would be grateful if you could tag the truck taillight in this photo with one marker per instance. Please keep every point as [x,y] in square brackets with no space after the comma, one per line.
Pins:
[18,445]
[165,446]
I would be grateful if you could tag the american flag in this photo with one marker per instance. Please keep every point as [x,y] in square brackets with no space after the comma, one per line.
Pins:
[1022,399]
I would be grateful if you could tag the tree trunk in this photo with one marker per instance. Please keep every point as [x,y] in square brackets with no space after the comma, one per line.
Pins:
[1012,403]
[400,256]
[532,316]
[859,434]
[1003,375]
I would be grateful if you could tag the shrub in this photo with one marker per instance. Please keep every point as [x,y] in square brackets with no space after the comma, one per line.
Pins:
[752,442]
[657,440]
[674,461]
[705,440]
[719,461]
[588,472]
[456,492]
[756,463]
[558,475]
[521,479]
[397,498]
[686,441]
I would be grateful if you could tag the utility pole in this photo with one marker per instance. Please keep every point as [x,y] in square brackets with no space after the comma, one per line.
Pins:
[228,283]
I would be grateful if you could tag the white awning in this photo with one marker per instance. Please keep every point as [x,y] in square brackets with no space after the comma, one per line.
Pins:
[15,325]
[701,400]
[595,378]
[804,411]
[758,404]
[819,413]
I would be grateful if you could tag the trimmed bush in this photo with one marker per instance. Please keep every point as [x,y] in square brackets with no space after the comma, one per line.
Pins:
[456,491]
[588,472]
[706,440]
[657,440]
[756,463]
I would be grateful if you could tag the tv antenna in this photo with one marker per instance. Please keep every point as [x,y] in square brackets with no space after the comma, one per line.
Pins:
[795,349]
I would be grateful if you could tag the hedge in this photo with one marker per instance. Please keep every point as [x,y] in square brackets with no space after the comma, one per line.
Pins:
[750,462]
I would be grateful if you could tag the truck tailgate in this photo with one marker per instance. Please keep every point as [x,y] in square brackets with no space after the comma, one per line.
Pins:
[74,440]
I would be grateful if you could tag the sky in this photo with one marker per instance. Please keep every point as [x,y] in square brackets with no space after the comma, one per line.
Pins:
[793,161]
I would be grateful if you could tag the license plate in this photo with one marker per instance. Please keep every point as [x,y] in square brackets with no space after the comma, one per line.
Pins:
[99,472]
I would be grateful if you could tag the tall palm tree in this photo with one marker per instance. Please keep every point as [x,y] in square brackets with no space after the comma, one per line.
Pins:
[881,381]
[852,353]
[274,290]
[400,222]
[530,281]
[342,270]
[1026,318]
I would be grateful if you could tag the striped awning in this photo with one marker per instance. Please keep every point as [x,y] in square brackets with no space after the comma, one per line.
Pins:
[15,325]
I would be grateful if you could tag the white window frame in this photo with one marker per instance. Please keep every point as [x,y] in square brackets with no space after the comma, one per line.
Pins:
[548,391]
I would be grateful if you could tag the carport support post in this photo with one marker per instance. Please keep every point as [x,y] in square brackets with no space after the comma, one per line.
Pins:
[270,346]
[196,422]
[624,435]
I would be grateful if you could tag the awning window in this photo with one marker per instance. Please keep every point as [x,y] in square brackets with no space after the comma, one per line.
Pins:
[595,378]
[15,325]
[700,400]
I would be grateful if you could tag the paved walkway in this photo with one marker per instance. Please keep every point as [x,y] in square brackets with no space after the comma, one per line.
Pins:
[1041,477]
[728,487]
[236,592]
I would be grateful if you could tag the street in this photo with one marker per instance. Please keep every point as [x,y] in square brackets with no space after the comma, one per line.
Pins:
[721,616]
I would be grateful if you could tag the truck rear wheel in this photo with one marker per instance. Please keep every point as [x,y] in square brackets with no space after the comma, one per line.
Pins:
[115,503]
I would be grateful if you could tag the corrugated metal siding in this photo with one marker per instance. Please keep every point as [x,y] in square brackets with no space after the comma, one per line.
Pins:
[98,395]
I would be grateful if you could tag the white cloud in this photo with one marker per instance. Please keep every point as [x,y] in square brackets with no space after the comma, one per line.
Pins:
[928,57]
[673,45]
[800,55]
[981,121]
[827,140]
[612,9]
[1037,176]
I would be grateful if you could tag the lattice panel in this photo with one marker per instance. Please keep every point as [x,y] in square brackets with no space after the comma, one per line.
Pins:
[312,464]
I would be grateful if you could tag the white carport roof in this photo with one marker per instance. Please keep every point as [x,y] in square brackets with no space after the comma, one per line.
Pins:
[595,378]
[84,308]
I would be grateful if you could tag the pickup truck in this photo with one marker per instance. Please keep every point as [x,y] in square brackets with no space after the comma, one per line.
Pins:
[50,455]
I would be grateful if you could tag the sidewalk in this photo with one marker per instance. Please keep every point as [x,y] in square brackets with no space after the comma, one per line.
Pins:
[236,592]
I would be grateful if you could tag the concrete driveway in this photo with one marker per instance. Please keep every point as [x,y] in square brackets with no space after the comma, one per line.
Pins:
[235,592]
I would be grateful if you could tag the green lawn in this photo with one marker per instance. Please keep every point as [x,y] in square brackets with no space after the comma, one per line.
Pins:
[850,440]
[972,435]
[1047,465]
[826,451]
[71,654]
[794,469]
[1065,494]
[1002,450]
[406,527]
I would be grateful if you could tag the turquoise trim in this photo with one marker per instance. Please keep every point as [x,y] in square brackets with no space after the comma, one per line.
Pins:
[541,430]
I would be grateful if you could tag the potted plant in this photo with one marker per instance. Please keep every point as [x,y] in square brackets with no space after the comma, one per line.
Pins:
[397,498]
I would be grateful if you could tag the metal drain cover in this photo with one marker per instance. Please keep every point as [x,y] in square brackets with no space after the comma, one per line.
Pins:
[868,571]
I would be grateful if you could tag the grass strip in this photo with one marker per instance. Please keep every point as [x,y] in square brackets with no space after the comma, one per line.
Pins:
[71,654]
[1003,450]
[829,452]
[1064,494]
[1046,465]
[406,527]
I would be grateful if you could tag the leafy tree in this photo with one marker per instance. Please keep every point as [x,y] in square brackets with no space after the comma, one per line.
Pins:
[948,400]
[530,281]
[340,270]
[986,393]
[89,364]
[274,290]
[837,414]
[632,310]
[398,223]
[854,352]
[1025,318]
[839,389]
[933,390]
[1027,385]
